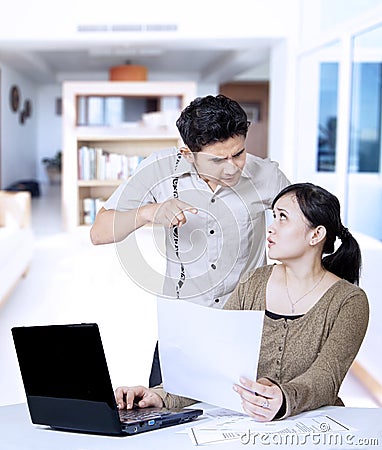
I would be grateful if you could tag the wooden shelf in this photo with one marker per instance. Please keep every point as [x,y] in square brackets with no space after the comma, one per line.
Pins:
[133,139]
[99,183]
[124,134]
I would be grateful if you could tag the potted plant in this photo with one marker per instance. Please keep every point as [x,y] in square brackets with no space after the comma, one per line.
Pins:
[53,167]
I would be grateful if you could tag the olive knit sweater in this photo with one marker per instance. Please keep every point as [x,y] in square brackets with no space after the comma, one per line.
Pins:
[307,357]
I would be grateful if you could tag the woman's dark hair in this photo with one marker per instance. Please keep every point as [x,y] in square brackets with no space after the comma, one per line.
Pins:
[211,119]
[320,207]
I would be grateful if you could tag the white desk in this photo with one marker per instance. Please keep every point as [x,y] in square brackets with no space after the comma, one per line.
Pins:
[18,433]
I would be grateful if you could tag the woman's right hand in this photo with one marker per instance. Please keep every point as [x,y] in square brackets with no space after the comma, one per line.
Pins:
[128,397]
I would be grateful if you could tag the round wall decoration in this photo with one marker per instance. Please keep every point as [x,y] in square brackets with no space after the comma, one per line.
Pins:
[22,117]
[28,107]
[14,98]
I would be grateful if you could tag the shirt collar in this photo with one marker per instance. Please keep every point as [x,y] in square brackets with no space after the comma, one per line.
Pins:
[245,172]
[184,167]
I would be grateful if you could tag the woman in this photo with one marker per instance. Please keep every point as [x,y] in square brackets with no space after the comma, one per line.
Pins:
[315,315]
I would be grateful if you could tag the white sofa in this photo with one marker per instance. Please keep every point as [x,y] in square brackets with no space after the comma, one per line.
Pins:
[16,240]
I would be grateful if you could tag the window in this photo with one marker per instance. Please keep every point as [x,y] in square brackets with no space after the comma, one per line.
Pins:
[365,125]
[365,121]
[327,117]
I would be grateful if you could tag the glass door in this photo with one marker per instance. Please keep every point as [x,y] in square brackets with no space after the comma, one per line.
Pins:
[364,170]
[317,116]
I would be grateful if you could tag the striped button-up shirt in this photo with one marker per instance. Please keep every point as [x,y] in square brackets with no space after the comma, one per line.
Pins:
[205,257]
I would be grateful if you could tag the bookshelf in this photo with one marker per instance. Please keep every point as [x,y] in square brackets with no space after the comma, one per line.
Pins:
[108,128]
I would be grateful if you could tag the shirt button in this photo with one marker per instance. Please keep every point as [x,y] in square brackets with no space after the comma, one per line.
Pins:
[285,325]
[278,362]
[212,231]
[280,348]
[213,266]
[213,200]
[217,300]
[276,375]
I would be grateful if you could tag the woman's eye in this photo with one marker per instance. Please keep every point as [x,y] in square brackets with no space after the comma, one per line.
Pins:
[279,216]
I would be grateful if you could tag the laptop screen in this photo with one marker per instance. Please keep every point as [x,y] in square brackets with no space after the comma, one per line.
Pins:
[63,362]
[68,386]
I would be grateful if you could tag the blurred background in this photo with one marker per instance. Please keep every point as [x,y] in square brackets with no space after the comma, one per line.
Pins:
[308,73]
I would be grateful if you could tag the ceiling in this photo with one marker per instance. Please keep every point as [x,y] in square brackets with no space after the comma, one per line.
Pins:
[208,61]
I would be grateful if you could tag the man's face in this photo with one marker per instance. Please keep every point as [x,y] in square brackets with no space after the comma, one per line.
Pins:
[220,163]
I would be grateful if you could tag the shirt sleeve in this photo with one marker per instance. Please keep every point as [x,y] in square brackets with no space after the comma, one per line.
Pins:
[236,299]
[277,181]
[319,385]
[267,178]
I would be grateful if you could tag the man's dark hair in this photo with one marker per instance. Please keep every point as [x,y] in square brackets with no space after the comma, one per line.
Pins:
[211,119]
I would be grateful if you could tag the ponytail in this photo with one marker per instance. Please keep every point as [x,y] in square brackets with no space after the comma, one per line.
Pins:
[346,261]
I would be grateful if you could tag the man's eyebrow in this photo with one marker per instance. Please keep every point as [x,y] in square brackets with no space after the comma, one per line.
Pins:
[239,152]
[218,158]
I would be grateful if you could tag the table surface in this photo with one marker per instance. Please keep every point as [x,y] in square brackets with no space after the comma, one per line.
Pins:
[18,433]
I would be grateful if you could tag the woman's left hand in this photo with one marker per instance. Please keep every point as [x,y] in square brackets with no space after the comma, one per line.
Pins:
[261,399]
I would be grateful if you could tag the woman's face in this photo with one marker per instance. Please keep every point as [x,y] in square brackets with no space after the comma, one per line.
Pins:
[289,234]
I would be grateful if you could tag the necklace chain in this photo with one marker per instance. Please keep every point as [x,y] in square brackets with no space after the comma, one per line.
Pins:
[293,304]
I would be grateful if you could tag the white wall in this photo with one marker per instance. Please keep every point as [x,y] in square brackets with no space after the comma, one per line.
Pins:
[49,127]
[18,142]
[282,107]
[50,21]
[370,276]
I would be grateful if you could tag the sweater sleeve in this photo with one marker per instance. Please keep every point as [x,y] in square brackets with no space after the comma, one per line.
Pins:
[172,400]
[249,293]
[319,385]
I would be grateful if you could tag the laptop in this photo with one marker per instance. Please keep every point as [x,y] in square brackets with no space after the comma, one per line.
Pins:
[68,387]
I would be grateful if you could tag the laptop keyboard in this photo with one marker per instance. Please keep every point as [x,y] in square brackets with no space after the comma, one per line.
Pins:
[140,414]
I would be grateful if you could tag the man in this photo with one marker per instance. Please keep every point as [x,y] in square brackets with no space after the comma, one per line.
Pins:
[210,196]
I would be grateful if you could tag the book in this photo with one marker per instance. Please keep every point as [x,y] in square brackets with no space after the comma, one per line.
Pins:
[99,164]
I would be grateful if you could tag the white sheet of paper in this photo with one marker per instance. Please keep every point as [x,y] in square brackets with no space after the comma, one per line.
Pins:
[248,431]
[204,351]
